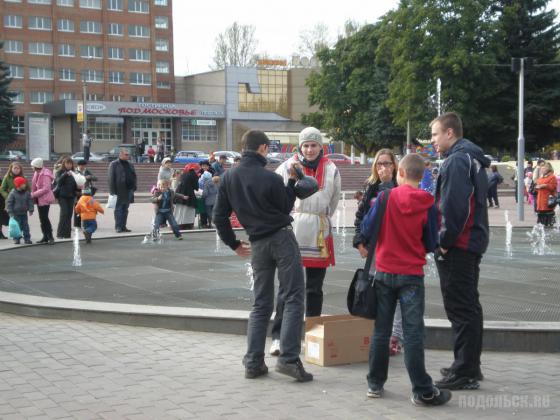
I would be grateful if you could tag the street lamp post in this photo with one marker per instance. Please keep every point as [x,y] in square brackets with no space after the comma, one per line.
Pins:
[521,144]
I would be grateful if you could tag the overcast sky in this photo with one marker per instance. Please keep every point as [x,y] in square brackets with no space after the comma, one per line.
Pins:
[278,24]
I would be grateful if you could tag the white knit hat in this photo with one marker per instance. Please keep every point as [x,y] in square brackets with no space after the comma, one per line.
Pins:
[310,134]
[37,163]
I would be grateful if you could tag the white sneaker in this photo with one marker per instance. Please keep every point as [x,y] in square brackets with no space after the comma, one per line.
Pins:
[275,348]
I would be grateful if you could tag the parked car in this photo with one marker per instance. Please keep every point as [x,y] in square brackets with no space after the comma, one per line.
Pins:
[281,156]
[113,154]
[93,157]
[13,155]
[191,156]
[229,154]
[340,158]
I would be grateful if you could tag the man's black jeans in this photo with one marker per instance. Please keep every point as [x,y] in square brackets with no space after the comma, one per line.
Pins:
[458,273]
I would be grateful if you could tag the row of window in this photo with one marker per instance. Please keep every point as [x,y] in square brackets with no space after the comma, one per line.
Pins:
[86,51]
[88,75]
[42,97]
[44,23]
[135,6]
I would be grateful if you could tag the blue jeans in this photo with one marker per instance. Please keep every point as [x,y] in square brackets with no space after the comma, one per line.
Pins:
[89,226]
[279,250]
[409,291]
[23,225]
[166,216]
[121,211]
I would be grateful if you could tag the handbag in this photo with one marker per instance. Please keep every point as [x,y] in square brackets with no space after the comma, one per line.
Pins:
[111,201]
[361,299]
[14,231]
[552,201]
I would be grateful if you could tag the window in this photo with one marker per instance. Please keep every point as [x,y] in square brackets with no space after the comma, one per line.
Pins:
[116,77]
[66,50]
[65,25]
[162,45]
[12,1]
[140,98]
[115,29]
[41,97]
[14,47]
[18,124]
[40,23]
[18,97]
[138,31]
[162,67]
[67,75]
[105,130]
[65,3]
[160,2]
[40,48]
[138,54]
[140,79]
[92,76]
[116,98]
[40,73]
[16,72]
[67,95]
[39,1]
[13,21]
[138,6]
[90,27]
[192,131]
[162,22]
[94,96]
[90,4]
[163,85]
[115,4]
[90,51]
[114,53]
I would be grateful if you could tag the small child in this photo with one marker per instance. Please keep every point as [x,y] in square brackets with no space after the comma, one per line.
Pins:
[407,232]
[528,181]
[18,204]
[163,199]
[209,194]
[87,208]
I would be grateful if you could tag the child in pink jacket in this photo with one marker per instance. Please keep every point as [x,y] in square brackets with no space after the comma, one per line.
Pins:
[41,192]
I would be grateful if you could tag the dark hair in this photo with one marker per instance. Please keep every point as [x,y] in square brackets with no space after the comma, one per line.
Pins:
[252,139]
[494,168]
[413,165]
[450,120]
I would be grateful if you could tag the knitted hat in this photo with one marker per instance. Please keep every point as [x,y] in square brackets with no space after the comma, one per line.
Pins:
[310,134]
[191,166]
[37,163]
[19,181]
[165,160]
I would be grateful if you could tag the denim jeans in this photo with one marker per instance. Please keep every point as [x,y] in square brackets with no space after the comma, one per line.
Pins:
[167,216]
[279,250]
[459,271]
[409,291]
[121,211]
[89,226]
[23,225]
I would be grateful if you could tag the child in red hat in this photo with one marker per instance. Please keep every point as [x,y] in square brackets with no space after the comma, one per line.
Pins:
[19,203]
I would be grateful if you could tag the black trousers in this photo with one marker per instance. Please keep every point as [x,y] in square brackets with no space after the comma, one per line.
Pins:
[64,229]
[46,226]
[459,272]
[314,278]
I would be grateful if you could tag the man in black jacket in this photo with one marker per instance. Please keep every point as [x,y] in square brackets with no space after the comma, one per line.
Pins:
[263,205]
[122,183]
[461,192]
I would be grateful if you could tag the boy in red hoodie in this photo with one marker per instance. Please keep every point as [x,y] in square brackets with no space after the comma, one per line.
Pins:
[408,231]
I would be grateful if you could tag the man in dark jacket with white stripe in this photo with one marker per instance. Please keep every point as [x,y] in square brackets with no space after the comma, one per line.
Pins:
[263,204]
[461,192]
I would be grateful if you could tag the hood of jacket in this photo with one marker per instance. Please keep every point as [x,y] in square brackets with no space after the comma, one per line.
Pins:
[467,146]
[409,200]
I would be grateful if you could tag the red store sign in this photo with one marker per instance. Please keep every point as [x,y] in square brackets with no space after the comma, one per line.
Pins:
[157,111]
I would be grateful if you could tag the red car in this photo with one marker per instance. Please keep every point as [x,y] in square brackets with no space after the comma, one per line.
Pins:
[339,158]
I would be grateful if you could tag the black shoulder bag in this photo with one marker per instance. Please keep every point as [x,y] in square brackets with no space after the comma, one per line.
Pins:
[361,298]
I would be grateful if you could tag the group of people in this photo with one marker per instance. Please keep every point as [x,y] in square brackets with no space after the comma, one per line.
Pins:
[294,236]
[540,185]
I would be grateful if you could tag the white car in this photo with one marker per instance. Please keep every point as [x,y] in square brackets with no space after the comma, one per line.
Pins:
[228,153]
[93,157]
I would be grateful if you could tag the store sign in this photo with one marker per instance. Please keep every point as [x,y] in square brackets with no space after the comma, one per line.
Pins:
[95,107]
[203,122]
[80,112]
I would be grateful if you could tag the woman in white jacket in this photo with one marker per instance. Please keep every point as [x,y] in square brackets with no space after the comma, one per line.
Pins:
[312,224]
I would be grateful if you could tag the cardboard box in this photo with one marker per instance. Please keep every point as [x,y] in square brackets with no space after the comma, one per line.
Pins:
[337,339]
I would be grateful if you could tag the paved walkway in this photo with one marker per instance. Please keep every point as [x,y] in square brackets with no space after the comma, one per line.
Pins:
[55,369]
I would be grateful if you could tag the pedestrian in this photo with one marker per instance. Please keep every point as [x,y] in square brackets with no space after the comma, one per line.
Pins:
[4,218]
[494,179]
[14,170]
[41,192]
[160,145]
[209,194]
[163,199]
[545,187]
[528,181]
[139,151]
[88,207]
[407,232]
[122,183]
[18,204]
[236,161]
[312,225]
[66,191]
[218,165]
[165,170]
[383,177]
[537,173]
[461,192]
[151,154]
[263,204]
[86,142]
[185,208]
[90,178]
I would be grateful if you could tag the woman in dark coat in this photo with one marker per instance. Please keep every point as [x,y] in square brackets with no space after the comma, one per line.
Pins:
[185,209]
[66,193]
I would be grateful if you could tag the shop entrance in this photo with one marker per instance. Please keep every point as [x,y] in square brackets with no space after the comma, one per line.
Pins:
[148,130]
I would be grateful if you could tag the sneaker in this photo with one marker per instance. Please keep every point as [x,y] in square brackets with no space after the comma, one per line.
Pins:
[17,241]
[275,348]
[179,238]
[375,392]
[447,372]
[27,242]
[252,373]
[126,230]
[437,397]
[295,370]
[453,381]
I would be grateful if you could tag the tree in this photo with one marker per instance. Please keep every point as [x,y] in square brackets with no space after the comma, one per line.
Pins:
[235,47]
[350,91]
[6,106]
[311,41]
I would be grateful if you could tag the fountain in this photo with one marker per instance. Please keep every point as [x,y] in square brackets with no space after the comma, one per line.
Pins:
[538,241]
[250,276]
[337,221]
[218,248]
[509,229]
[154,237]
[77,261]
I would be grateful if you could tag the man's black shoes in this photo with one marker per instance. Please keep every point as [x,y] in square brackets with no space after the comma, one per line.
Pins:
[447,372]
[255,372]
[436,397]
[295,370]
[455,382]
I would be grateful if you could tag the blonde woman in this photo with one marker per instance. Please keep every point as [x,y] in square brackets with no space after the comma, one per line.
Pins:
[546,187]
